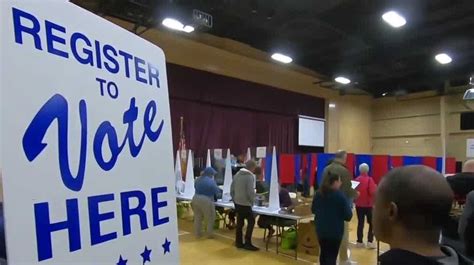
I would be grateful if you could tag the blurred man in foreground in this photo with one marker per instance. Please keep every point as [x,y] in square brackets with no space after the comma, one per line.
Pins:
[412,204]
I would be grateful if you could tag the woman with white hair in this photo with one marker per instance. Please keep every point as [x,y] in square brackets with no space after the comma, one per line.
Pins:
[364,205]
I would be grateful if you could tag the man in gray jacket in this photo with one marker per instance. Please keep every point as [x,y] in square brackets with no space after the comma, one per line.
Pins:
[242,191]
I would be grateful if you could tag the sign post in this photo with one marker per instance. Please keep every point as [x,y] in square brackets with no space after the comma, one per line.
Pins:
[86,140]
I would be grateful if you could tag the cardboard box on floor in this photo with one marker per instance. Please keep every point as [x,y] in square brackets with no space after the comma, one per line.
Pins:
[307,239]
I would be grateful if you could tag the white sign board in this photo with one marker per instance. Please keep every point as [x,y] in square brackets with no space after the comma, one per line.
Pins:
[470,148]
[261,152]
[86,140]
[218,153]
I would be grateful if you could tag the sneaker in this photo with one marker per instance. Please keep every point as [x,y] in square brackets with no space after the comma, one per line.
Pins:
[251,247]
[371,245]
[360,245]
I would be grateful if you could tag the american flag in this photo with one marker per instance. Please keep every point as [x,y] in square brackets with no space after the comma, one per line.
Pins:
[182,148]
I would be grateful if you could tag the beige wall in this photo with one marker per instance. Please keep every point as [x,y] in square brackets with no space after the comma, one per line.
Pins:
[230,58]
[412,126]
[349,124]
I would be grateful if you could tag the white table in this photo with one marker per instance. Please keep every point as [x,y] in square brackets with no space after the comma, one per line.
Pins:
[263,211]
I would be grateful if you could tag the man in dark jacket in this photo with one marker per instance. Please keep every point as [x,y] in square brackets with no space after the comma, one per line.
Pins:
[412,203]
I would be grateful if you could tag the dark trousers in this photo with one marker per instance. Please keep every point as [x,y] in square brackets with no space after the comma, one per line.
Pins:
[329,250]
[244,212]
[363,212]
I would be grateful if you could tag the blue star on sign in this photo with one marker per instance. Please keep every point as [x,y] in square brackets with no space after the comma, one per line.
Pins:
[146,255]
[166,246]
[122,261]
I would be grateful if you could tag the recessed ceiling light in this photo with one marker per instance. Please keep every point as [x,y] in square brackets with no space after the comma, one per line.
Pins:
[188,29]
[443,58]
[172,24]
[342,80]
[332,105]
[282,58]
[177,25]
[394,19]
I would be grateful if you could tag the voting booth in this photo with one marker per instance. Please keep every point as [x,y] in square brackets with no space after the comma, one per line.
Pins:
[86,151]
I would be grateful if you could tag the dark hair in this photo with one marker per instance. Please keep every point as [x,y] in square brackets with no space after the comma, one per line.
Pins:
[258,171]
[328,182]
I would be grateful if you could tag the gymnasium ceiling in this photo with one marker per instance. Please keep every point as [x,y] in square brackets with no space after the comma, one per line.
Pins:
[335,37]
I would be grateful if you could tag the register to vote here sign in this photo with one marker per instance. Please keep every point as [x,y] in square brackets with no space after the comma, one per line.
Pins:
[86,148]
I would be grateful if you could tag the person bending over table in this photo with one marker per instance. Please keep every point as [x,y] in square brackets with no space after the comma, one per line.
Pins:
[267,222]
[242,191]
[203,202]
[331,209]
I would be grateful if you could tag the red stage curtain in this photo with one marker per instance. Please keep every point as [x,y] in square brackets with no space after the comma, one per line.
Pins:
[379,167]
[450,165]
[287,169]
[397,161]
[430,161]
[350,164]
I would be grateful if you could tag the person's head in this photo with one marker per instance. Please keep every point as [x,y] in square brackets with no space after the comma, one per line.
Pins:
[412,203]
[331,182]
[341,156]
[364,168]
[251,165]
[468,166]
[258,172]
[209,172]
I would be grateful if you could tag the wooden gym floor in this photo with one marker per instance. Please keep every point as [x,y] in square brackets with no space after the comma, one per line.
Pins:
[220,249]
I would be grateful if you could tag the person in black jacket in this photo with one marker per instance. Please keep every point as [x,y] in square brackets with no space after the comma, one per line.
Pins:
[412,203]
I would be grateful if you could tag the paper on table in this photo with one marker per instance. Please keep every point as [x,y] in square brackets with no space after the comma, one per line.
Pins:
[355,184]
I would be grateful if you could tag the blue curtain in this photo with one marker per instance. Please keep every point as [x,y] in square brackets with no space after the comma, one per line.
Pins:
[268,168]
[412,160]
[363,159]
[439,164]
[297,169]
[323,160]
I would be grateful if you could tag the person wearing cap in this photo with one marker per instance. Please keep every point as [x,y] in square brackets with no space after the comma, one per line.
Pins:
[203,202]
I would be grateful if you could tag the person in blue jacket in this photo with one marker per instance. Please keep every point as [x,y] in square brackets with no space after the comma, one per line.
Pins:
[331,209]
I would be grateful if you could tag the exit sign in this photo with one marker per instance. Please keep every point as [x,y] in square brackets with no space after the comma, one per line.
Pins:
[202,18]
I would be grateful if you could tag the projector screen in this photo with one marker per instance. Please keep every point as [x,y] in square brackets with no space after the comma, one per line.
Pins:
[310,131]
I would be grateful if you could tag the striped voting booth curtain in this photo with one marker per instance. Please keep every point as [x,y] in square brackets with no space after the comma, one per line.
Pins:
[360,159]
[322,162]
[450,165]
[286,167]
[268,168]
[298,167]
[396,161]
[350,164]
[412,160]
[431,162]
[380,167]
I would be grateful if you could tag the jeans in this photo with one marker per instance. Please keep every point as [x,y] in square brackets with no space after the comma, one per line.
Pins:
[329,251]
[244,212]
[363,212]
